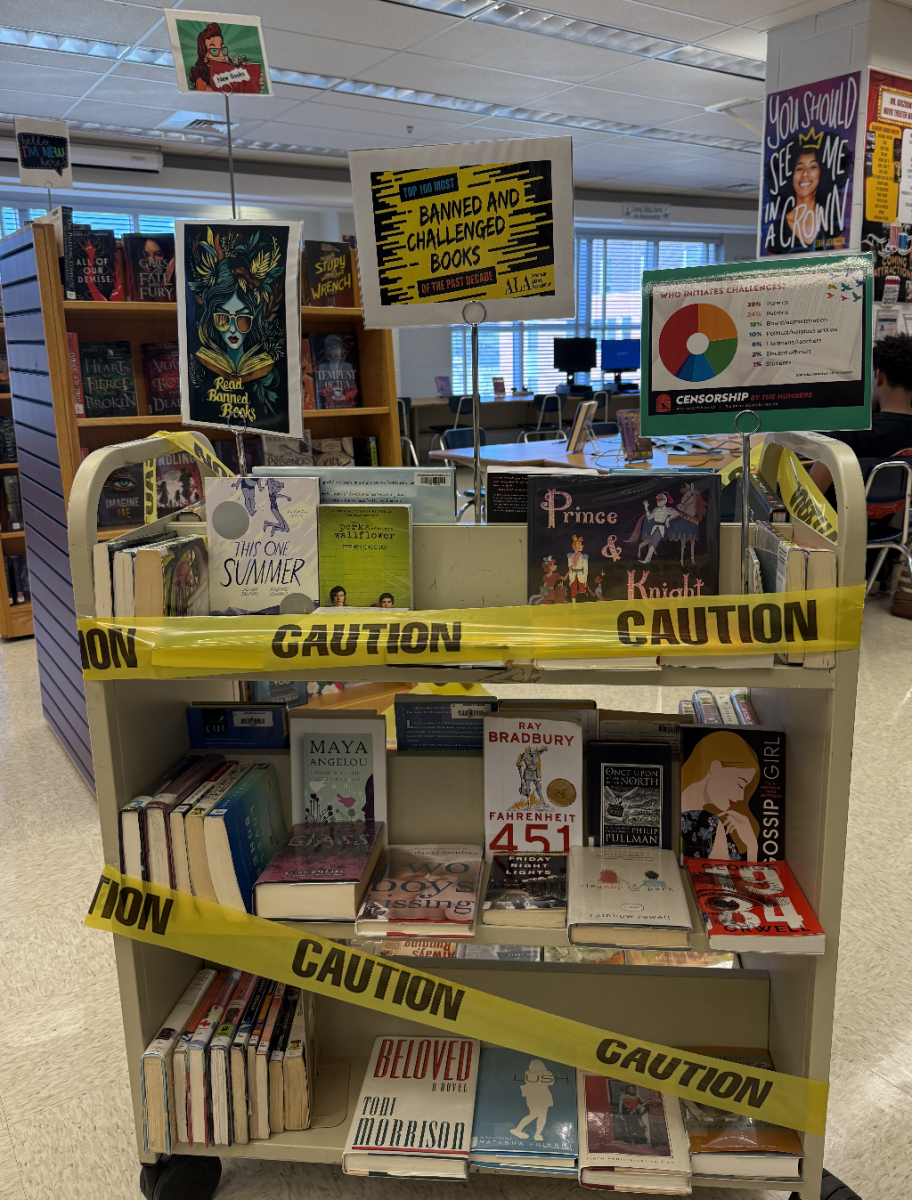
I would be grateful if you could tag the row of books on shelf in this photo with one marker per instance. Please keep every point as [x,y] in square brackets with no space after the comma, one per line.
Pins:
[15,567]
[582,841]
[516,952]
[97,265]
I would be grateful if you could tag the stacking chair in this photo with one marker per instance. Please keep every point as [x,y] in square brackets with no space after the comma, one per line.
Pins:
[462,439]
[405,442]
[458,405]
[602,398]
[888,490]
[544,404]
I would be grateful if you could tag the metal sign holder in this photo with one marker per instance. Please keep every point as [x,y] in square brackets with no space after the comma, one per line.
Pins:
[745,493]
[474,314]
[230,154]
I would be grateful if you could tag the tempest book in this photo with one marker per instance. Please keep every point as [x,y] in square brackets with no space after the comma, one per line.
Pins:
[423,891]
[414,1114]
[328,271]
[627,896]
[533,773]
[162,372]
[630,794]
[262,545]
[733,793]
[336,370]
[754,908]
[525,1112]
[526,890]
[320,873]
[338,766]
[365,555]
[96,271]
[149,259]
[109,387]
[623,538]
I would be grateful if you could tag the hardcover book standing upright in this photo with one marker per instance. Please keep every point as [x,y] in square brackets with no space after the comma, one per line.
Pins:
[96,271]
[109,389]
[630,794]
[414,1114]
[338,767]
[262,545]
[365,555]
[336,370]
[162,371]
[622,538]
[328,268]
[525,1113]
[149,260]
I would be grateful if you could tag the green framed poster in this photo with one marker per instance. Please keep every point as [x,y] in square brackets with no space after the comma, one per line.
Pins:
[789,341]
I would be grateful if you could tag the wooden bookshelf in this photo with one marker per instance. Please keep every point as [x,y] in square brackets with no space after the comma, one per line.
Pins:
[15,619]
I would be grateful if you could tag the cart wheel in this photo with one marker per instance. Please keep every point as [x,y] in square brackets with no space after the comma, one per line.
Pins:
[182,1177]
[832,1188]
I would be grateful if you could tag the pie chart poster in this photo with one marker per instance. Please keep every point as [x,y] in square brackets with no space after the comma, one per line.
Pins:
[791,342]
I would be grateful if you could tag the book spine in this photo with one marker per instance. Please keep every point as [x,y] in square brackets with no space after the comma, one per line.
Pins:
[13,502]
[76,374]
[67,267]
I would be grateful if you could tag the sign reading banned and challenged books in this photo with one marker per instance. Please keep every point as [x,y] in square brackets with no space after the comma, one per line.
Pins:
[789,341]
[239,324]
[43,153]
[441,225]
[218,52]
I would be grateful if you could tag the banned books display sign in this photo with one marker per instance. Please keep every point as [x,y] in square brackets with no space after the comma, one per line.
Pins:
[441,225]
[791,342]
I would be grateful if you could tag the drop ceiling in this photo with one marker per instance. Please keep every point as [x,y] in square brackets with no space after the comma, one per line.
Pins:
[367,73]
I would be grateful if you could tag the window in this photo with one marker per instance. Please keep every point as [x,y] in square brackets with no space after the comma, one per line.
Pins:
[156,224]
[121,223]
[608,273]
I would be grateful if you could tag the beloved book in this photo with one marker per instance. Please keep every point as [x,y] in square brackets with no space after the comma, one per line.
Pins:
[431,493]
[338,766]
[121,499]
[441,722]
[320,873]
[109,387]
[308,384]
[733,793]
[171,578]
[623,537]
[162,371]
[630,1136]
[533,773]
[627,896]
[365,555]
[630,794]
[526,890]
[75,374]
[336,370]
[726,1143]
[414,1114]
[525,1112]
[242,834]
[423,891]
[149,261]
[328,275]
[345,452]
[754,908]
[96,270]
[262,545]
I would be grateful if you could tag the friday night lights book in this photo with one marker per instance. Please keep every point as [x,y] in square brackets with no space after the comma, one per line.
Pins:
[262,545]
[622,538]
[525,1112]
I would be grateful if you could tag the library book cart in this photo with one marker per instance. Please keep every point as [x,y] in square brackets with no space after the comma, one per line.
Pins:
[781,1002]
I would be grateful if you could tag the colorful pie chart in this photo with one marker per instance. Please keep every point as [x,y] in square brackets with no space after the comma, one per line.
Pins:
[698,342]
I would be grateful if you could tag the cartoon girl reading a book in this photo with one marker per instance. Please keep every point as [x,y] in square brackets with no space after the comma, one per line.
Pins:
[717,782]
[536,1091]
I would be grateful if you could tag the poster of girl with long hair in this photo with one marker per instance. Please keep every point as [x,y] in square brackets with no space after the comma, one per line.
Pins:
[808,162]
[218,52]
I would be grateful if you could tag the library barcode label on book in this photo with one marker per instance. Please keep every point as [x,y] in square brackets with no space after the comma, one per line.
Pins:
[426,480]
[468,711]
[264,718]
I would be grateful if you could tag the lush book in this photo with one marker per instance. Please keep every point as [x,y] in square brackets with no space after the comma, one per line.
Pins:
[423,891]
[414,1114]
[525,1112]
[623,538]
[430,492]
[149,261]
[109,387]
[242,834]
[262,544]
[365,555]
[328,275]
[336,370]
[338,766]
[320,873]
[754,908]
[627,896]
[162,371]
[733,793]
[630,794]
[526,890]
[96,270]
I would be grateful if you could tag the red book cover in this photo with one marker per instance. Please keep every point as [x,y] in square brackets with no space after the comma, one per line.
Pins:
[336,853]
[76,373]
[754,907]
[336,370]
[162,371]
[308,390]
[149,261]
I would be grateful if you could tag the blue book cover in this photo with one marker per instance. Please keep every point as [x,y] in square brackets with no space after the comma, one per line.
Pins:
[255,826]
[441,722]
[524,1106]
[238,727]
[431,491]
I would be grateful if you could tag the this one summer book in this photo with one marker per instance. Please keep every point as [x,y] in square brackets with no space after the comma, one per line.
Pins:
[365,555]
[262,545]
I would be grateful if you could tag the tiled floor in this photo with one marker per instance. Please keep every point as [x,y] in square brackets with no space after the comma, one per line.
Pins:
[65,1125]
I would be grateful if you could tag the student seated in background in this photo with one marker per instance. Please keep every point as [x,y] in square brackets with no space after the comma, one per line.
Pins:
[891,408]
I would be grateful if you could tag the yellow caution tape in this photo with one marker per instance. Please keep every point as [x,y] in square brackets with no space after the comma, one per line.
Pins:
[802,497]
[167,647]
[178,921]
[726,474]
[191,444]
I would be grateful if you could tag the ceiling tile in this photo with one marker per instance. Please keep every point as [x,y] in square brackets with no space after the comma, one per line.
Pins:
[614,106]
[23,77]
[124,87]
[525,53]
[130,116]
[455,79]
[54,61]
[671,81]
[367,22]
[82,18]
[381,124]
[321,56]
[749,43]
[720,124]
[31,104]
[643,18]
[501,125]
[408,112]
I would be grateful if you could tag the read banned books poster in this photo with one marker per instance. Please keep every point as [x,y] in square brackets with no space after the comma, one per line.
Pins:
[239,324]
[218,52]
[790,341]
[886,230]
[438,226]
[808,165]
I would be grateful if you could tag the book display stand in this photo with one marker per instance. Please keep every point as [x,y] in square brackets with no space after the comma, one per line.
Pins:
[780,1002]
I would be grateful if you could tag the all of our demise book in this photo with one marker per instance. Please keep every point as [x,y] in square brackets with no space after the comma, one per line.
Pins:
[623,537]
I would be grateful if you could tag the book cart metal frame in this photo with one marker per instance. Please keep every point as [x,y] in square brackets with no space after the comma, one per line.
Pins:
[783,1002]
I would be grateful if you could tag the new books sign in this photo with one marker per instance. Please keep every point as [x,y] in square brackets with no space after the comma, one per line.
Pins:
[441,225]
[43,153]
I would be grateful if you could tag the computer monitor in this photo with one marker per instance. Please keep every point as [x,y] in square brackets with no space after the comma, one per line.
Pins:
[621,355]
[574,354]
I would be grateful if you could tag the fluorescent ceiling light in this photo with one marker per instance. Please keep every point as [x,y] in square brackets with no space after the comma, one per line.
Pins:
[593,33]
